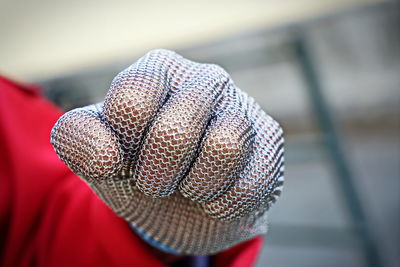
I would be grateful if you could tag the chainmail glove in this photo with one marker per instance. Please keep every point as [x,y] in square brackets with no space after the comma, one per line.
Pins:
[187,158]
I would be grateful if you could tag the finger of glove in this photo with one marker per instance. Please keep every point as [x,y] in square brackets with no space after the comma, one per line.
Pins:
[135,96]
[84,142]
[261,180]
[222,156]
[172,141]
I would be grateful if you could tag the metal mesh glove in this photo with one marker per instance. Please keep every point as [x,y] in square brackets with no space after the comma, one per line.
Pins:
[177,150]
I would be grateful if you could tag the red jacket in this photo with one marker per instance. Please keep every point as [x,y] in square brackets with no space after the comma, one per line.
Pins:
[50,217]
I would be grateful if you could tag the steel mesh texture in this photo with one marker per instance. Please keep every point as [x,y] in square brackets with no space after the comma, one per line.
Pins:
[178,151]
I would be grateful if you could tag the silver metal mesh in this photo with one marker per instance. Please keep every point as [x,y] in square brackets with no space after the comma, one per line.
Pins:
[178,151]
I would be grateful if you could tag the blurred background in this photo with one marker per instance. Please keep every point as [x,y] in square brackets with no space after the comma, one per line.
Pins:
[328,71]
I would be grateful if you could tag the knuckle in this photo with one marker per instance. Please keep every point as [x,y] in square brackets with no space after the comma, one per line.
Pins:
[217,71]
[262,178]
[163,54]
[230,206]
[134,98]
[222,156]
[167,152]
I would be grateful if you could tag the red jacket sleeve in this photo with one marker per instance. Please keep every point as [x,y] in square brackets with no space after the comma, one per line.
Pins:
[50,217]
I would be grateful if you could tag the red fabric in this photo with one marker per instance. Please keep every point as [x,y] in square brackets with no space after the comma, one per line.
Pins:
[48,216]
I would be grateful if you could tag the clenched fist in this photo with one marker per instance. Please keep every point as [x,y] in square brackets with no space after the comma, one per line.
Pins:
[182,154]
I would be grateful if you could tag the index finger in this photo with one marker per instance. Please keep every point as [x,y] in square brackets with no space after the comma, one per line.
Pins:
[135,96]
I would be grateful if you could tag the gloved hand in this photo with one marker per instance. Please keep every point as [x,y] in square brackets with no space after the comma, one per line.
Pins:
[187,158]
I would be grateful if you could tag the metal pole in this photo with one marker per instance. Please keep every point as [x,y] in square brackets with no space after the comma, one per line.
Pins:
[333,145]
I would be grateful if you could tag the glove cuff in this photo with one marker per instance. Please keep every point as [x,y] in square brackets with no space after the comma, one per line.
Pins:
[151,241]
